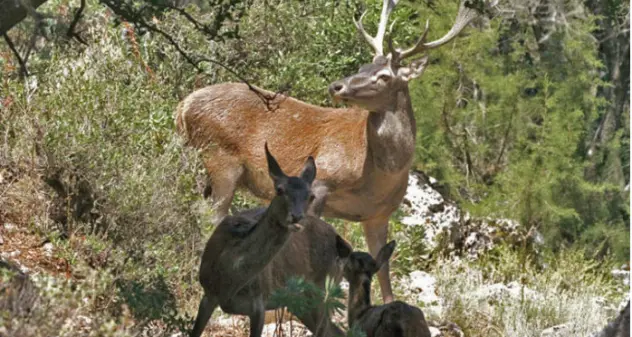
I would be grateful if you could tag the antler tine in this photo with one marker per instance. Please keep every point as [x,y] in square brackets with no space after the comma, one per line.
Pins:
[390,39]
[366,35]
[464,17]
[377,41]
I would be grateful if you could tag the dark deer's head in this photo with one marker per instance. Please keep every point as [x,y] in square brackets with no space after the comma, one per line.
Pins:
[296,192]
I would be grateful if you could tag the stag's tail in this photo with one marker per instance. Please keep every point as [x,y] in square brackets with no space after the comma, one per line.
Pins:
[181,127]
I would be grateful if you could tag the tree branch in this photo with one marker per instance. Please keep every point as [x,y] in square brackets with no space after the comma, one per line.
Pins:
[71,30]
[198,25]
[23,70]
[128,13]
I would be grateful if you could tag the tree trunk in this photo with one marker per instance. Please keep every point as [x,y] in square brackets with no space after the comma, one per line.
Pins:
[14,11]
[614,52]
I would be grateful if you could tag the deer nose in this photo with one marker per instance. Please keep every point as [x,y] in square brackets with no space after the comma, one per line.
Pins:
[296,218]
[336,88]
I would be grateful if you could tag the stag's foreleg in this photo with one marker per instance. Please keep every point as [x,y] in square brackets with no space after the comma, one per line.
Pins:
[376,232]
[317,206]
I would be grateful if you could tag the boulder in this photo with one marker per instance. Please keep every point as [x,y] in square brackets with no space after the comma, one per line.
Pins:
[447,228]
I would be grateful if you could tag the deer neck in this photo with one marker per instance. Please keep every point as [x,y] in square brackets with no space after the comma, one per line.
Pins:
[272,231]
[391,133]
[264,242]
[359,300]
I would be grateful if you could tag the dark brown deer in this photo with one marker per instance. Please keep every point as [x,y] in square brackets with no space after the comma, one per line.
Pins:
[395,319]
[253,253]
[363,153]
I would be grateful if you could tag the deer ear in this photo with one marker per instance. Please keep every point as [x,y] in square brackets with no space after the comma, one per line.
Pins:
[343,247]
[273,167]
[384,254]
[309,170]
[413,70]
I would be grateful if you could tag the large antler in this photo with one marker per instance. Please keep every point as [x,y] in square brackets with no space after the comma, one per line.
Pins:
[377,42]
[468,10]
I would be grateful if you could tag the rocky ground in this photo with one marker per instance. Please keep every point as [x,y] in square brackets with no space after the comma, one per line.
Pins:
[446,227]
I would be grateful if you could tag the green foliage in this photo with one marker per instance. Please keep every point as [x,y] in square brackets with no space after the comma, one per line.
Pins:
[411,253]
[301,297]
[504,125]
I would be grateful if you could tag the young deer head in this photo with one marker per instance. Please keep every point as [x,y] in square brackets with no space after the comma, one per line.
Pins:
[391,319]
[363,156]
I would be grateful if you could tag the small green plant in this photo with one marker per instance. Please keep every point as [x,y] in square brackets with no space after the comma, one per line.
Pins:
[300,297]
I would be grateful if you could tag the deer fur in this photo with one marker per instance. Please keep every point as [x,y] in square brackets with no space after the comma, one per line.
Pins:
[395,319]
[363,153]
[253,253]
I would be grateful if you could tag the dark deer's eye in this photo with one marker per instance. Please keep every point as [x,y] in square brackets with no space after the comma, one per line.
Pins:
[312,197]
[384,77]
[280,190]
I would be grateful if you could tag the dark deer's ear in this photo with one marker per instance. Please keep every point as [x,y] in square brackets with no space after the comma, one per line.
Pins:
[343,247]
[384,254]
[273,167]
[309,170]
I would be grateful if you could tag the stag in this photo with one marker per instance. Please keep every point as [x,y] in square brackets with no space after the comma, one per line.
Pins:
[363,152]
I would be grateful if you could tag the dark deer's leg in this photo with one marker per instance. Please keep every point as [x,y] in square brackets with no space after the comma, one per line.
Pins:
[319,323]
[376,232]
[207,306]
[257,317]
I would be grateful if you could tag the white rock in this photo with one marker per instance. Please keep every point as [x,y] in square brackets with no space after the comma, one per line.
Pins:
[420,287]
[291,328]
[624,275]
[48,249]
[566,329]
[498,292]
[14,253]
[426,207]
[228,321]
[435,332]
[84,320]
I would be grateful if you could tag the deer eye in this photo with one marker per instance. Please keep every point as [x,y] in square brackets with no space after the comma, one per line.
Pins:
[280,190]
[384,77]
[312,197]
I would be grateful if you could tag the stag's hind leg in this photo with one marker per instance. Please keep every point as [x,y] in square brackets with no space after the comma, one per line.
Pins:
[224,172]
[207,306]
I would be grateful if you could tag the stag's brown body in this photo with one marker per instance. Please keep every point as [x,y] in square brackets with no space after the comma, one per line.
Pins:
[360,188]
